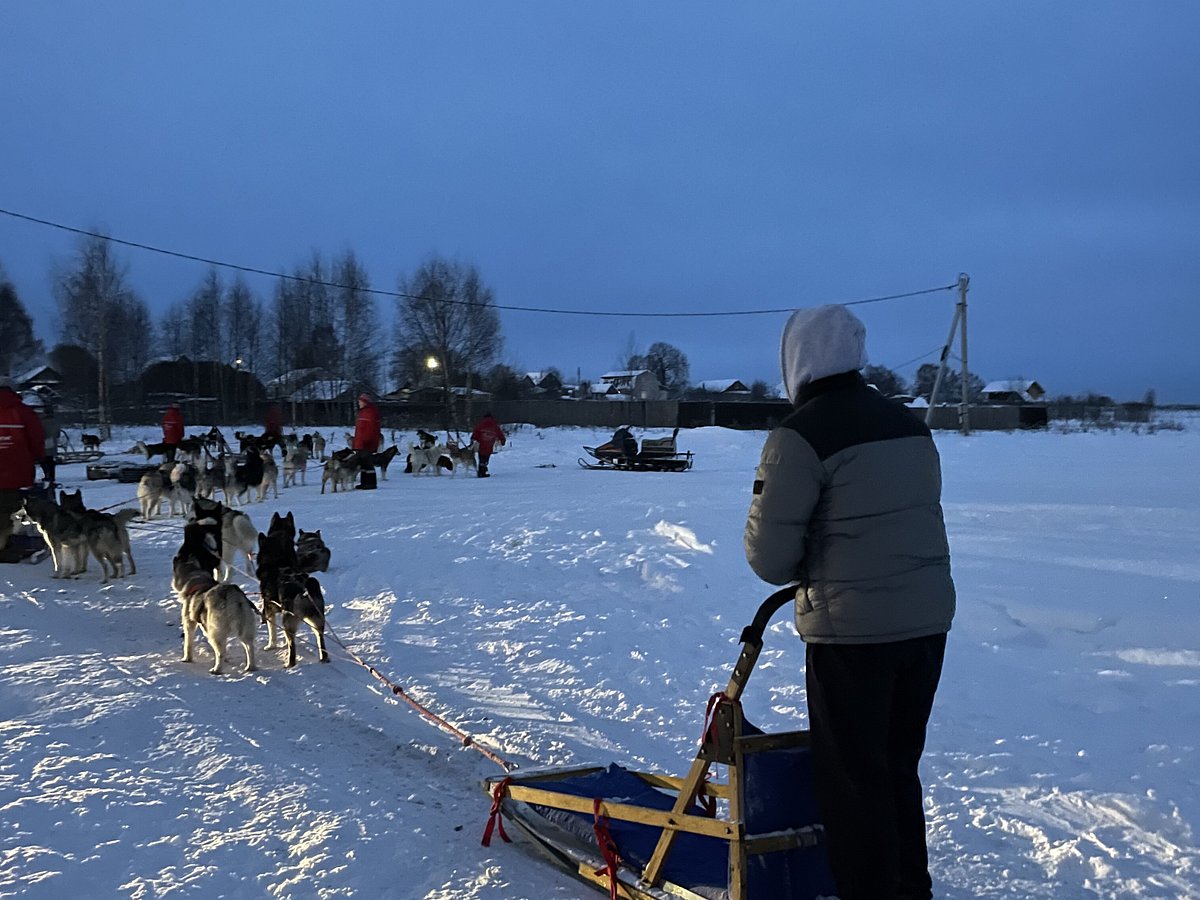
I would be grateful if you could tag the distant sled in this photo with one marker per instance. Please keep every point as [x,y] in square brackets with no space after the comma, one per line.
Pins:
[621,452]
[755,836]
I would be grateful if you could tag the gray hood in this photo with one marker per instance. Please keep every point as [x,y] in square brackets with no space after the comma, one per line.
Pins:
[818,342]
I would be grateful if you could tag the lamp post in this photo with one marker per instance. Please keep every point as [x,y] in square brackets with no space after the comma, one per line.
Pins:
[432,364]
[237,379]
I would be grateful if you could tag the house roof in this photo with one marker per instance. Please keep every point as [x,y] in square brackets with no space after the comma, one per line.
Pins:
[627,373]
[723,385]
[321,389]
[1011,385]
[45,374]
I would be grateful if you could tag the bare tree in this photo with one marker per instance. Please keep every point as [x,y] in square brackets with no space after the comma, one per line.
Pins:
[87,291]
[204,318]
[447,314]
[131,322]
[174,331]
[629,356]
[358,324]
[669,365]
[243,337]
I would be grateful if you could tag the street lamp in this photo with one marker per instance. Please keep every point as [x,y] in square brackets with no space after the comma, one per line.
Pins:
[237,377]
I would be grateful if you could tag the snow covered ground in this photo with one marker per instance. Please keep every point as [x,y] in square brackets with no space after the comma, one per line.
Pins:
[567,616]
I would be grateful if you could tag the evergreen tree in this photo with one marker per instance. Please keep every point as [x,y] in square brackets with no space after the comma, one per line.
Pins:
[19,347]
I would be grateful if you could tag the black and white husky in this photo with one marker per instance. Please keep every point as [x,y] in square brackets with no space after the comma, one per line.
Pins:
[238,534]
[220,610]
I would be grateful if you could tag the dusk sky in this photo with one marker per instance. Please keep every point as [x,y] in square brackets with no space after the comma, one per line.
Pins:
[645,157]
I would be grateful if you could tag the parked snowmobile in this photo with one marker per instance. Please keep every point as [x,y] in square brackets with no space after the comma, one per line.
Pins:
[621,452]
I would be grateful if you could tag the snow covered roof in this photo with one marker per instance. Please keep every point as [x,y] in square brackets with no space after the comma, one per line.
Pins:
[1025,388]
[43,374]
[1019,385]
[298,376]
[722,385]
[627,373]
[321,389]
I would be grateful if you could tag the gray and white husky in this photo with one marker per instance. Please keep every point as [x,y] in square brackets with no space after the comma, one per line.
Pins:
[219,610]
[70,535]
[295,463]
[100,528]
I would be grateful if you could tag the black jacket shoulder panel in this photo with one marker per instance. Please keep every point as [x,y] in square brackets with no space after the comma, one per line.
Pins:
[843,411]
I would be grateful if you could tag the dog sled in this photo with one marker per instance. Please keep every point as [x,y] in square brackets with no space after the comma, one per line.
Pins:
[126,473]
[78,456]
[65,452]
[621,452]
[645,836]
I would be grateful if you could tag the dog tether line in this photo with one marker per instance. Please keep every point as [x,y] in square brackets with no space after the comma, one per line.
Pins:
[397,690]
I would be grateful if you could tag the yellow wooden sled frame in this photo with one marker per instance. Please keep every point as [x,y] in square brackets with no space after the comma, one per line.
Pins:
[723,744]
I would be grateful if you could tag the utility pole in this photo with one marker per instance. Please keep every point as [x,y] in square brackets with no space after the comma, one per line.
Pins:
[960,314]
[964,415]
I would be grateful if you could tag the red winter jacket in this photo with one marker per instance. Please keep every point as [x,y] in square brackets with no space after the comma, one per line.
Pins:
[172,426]
[367,433]
[488,433]
[22,441]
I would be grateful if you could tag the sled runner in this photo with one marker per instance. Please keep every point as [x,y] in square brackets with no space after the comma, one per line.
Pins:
[621,452]
[645,836]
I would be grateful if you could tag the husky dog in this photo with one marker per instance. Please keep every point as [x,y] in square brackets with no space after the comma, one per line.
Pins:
[295,462]
[435,458]
[383,459]
[464,457]
[341,469]
[90,441]
[62,532]
[318,445]
[270,476]
[73,503]
[240,477]
[208,479]
[425,439]
[311,552]
[150,494]
[149,450]
[238,534]
[180,488]
[287,592]
[221,611]
[214,442]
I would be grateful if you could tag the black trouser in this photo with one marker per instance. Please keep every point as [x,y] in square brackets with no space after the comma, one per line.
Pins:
[169,452]
[868,705]
[49,468]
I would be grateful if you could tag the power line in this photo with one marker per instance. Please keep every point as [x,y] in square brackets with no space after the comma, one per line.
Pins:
[252,270]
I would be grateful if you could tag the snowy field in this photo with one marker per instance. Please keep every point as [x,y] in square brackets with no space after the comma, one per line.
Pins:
[567,616]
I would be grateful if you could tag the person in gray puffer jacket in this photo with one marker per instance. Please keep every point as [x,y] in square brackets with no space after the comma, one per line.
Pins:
[847,504]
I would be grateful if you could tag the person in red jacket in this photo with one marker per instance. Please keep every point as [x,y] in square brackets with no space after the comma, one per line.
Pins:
[22,444]
[273,427]
[487,434]
[172,429]
[368,433]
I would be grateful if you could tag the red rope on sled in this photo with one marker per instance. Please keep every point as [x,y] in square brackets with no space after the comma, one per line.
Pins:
[608,848]
[496,816]
[708,804]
